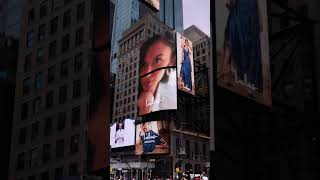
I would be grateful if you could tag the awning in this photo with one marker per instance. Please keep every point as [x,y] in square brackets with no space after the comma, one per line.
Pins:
[137,165]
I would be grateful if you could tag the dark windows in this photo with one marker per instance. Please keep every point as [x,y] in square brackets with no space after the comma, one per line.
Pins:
[58,173]
[78,62]
[53,49]
[26,86]
[34,154]
[43,10]
[65,43]
[39,83]
[60,148]
[80,11]
[36,105]
[27,62]
[20,161]
[42,32]
[40,55]
[54,25]
[34,130]
[46,154]
[29,39]
[45,175]
[75,116]
[61,124]
[63,94]
[31,16]
[48,126]
[64,69]
[24,111]
[49,99]
[74,144]
[79,36]
[22,135]
[187,149]
[73,169]
[67,19]
[76,88]
[51,74]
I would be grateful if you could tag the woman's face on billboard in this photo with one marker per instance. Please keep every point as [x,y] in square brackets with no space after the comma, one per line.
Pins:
[158,55]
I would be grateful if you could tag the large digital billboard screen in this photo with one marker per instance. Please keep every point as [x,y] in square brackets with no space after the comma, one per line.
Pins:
[122,133]
[157,74]
[185,66]
[153,137]
[242,48]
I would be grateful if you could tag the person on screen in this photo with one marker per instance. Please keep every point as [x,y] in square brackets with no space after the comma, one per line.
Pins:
[158,88]
[185,72]
[119,136]
[150,140]
[242,49]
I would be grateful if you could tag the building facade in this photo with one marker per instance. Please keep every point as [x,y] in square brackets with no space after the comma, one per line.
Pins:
[171,13]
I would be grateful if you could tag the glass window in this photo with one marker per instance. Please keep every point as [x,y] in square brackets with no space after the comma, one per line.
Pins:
[60,148]
[33,161]
[61,121]
[40,55]
[65,43]
[29,39]
[26,86]
[74,144]
[45,175]
[67,18]
[53,49]
[27,62]
[20,161]
[49,99]
[39,83]
[46,153]
[63,94]
[58,173]
[42,32]
[64,69]
[76,88]
[73,169]
[54,25]
[48,126]
[35,130]
[80,11]
[75,116]
[43,10]
[79,36]
[22,135]
[78,62]
[24,110]
[36,105]
[51,74]
[31,16]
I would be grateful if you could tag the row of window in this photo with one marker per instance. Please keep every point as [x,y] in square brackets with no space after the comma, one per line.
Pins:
[132,42]
[73,169]
[196,149]
[39,81]
[116,119]
[65,43]
[37,105]
[128,108]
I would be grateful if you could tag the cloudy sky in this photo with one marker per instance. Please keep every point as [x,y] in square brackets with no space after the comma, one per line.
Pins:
[197,12]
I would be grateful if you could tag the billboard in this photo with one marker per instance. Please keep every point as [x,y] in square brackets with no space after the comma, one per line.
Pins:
[122,133]
[152,137]
[157,74]
[242,48]
[153,4]
[185,66]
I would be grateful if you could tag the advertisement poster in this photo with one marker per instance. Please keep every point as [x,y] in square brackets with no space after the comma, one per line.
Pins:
[122,133]
[152,137]
[157,74]
[185,64]
[242,48]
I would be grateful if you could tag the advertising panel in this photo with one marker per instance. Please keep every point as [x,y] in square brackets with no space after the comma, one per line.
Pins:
[122,133]
[242,48]
[185,66]
[152,137]
[157,74]
[153,4]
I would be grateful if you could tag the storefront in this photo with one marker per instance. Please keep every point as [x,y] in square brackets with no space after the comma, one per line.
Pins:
[130,170]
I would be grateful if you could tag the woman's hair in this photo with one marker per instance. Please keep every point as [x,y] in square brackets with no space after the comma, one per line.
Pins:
[167,38]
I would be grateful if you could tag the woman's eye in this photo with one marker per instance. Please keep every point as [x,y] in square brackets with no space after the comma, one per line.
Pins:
[157,60]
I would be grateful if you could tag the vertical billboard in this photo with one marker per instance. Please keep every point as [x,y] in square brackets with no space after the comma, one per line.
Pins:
[153,4]
[152,137]
[122,133]
[185,66]
[157,74]
[242,48]
[100,97]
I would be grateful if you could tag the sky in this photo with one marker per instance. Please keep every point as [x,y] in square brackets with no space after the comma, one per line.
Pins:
[197,12]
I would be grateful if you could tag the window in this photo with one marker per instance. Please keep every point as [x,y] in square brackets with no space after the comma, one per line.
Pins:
[36,105]
[46,153]
[54,25]
[74,144]
[58,173]
[53,49]
[73,169]
[33,161]
[78,62]
[60,148]
[39,83]
[22,135]
[80,11]
[20,161]
[24,111]
[48,127]
[26,86]
[31,16]
[65,43]
[76,88]
[27,62]
[203,51]
[187,149]
[204,150]
[32,177]
[63,94]
[43,10]
[40,55]
[67,18]
[79,36]
[29,40]
[51,74]
[61,124]
[64,69]
[42,32]
[34,130]
[196,149]
[75,116]
[49,99]
[45,175]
